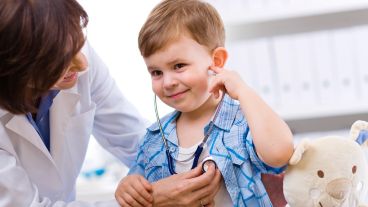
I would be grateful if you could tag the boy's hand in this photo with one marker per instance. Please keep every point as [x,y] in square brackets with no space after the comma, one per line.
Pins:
[134,191]
[227,81]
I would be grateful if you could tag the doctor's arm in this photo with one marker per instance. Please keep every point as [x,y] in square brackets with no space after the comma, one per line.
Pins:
[117,124]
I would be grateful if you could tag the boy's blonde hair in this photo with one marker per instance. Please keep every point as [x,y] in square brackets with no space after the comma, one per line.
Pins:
[172,18]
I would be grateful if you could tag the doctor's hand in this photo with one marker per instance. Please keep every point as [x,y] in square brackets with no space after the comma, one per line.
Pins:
[134,191]
[188,189]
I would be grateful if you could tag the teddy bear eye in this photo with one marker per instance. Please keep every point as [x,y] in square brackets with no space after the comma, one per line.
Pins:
[320,173]
[354,169]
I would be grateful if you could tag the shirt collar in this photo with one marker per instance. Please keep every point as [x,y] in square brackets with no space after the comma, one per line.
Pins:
[168,123]
[45,104]
[227,114]
[224,120]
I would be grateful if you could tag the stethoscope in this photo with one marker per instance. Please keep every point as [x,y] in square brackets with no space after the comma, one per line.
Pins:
[208,160]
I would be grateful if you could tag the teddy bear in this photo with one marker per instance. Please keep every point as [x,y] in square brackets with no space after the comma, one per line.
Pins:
[330,171]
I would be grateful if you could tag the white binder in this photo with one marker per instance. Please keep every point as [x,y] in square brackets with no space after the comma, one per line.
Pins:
[344,67]
[240,59]
[266,75]
[252,60]
[325,76]
[361,45]
[306,82]
[287,72]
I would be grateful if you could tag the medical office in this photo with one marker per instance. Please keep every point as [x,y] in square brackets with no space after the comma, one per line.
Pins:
[306,58]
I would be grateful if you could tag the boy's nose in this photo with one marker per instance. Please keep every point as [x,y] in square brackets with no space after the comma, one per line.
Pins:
[169,81]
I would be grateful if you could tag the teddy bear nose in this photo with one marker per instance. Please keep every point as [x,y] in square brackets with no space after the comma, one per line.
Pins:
[339,188]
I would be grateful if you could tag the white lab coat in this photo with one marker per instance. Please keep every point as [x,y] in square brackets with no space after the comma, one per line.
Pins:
[31,176]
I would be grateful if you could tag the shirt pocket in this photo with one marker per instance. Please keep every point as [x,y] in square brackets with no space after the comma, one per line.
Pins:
[154,169]
[83,123]
[237,152]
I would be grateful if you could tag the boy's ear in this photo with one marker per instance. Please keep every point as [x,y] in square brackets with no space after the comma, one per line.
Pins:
[219,57]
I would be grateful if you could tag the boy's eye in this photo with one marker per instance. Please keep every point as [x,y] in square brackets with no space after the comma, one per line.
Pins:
[179,65]
[156,73]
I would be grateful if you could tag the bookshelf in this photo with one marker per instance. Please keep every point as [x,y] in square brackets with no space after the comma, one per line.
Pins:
[295,17]
[305,58]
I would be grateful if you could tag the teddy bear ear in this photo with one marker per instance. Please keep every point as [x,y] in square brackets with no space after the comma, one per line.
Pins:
[359,132]
[299,151]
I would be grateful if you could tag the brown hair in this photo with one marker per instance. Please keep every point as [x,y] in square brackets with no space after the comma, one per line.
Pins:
[172,18]
[38,39]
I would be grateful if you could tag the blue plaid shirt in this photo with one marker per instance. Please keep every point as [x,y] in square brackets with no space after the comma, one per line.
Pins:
[230,144]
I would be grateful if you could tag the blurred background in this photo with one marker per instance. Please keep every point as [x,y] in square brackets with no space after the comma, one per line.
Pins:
[306,58]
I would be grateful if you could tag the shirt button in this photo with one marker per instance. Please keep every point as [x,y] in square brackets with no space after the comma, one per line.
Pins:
[172,149]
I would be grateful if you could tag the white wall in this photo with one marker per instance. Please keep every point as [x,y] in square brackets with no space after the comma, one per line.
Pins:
[113,32]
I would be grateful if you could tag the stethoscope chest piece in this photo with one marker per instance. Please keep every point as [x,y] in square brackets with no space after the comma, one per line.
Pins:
[207,162]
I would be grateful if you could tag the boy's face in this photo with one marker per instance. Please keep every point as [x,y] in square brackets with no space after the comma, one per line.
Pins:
[179,74]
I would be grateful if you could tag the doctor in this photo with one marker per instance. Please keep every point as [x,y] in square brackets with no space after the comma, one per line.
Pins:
[54,93]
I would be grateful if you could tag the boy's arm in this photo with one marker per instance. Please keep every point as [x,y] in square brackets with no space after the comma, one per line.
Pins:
[271,135]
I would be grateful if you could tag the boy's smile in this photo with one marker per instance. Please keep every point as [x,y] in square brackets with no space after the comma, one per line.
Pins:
[179,74]
[177,95]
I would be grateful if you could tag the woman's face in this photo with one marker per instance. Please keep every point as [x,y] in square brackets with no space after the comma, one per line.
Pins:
[70,77]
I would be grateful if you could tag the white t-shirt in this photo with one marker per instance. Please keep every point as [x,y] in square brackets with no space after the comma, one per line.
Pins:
[184,163]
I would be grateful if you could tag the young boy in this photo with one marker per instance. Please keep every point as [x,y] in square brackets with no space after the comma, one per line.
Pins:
[181,41]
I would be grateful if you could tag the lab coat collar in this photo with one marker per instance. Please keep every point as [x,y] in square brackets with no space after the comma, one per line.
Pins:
[21,126]
[63,108]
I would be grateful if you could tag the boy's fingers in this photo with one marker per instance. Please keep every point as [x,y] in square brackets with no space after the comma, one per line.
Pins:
[143,193]
[140,195]
[131,201]
[119,200]
[215,69]
[123,200]
[146,184]
[214,87]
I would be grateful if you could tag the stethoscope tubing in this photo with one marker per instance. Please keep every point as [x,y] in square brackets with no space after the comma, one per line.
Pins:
[199,149]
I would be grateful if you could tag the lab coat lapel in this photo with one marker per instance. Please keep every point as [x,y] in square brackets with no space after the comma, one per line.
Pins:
[61,112]
[28,135]
[21,126]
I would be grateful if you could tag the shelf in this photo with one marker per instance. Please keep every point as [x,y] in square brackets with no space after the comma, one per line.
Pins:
[320,111]
[295,18]
[325,123]
[324,118]
[310,29]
